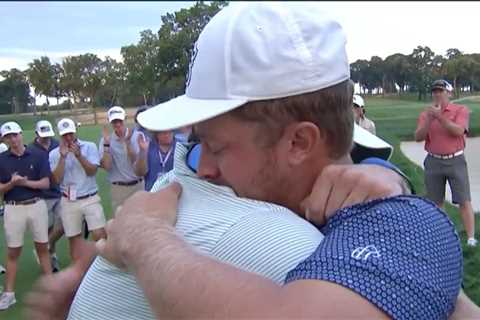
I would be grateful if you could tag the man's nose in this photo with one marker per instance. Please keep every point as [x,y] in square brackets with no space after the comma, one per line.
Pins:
[207,168]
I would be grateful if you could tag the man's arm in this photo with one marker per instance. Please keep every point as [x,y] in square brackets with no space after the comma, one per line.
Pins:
[453,128]
[422,127]
[214,289]
[41,184]
[59,169]
[141,165]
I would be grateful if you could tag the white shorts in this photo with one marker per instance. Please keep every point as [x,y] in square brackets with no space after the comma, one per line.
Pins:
[53,206]
[73,213]
[18,217]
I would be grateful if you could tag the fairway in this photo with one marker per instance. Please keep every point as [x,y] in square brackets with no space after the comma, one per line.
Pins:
[395,120]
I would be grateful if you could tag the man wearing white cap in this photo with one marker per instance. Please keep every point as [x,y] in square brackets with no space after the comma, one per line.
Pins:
[265,150]
[273,117]
[118,152]
[24,173]
[45,142]
[74,164]
[360,117]
[3,148]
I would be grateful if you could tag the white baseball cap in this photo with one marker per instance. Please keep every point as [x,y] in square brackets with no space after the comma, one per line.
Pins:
[66,126]
[377,146]
[10,127]
[44,129]
[358,100]
[116,113]
[255,51]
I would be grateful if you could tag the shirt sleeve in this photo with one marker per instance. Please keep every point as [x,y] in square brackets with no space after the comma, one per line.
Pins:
[402,254]
[100,146]
[268,243]
[462,118]
[53,158]
[92,154]
[422,119]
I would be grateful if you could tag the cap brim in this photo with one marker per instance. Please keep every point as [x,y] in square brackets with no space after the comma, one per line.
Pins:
[183,111]
[370,141]
[10,132]
[116,118]
[62,133]
[48,134]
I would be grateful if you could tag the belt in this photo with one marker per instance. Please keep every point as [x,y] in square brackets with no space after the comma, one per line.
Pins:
[22,202]
[446,156]
[82,197]
[130,183]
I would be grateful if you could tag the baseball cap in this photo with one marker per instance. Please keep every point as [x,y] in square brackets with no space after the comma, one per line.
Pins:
[10,127]
[371,144]
[255,51]
[116,113]
[66,126]
[358,100]
[441,84]
[44,129]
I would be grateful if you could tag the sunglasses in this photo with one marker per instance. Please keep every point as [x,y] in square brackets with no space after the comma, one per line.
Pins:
[193,156]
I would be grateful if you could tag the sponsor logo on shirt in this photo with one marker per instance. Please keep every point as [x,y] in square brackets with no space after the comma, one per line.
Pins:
[363,253]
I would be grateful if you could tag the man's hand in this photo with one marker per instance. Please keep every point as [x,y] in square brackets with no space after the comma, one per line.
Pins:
[143,143]
[341,186]
[106,134]
[130,220]
[75,149]
[434,112]
[128,135]
[63,148]
[53,294]
[18,180]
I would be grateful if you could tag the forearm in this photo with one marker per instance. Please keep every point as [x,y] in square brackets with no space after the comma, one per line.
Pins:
[41,184]
[132,157]
[465,308]
[453,128]
[57,173]
[421,132]
[141,166]
[90,169]
[5,187]
[106,161]
[179,282]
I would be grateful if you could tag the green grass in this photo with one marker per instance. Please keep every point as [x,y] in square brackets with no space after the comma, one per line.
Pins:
[395,120]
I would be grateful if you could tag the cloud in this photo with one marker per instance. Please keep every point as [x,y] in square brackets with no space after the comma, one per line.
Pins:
[19,58]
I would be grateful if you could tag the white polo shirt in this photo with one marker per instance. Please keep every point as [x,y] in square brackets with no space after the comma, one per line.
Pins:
[122,170]
[255,236]
[74,174]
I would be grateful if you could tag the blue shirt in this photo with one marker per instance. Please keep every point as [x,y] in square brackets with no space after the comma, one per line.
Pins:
[54,191]
[74,174]
[158,162]
[400,253]
[31,164]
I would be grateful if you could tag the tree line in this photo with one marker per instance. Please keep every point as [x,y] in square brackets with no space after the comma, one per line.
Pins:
[153,70]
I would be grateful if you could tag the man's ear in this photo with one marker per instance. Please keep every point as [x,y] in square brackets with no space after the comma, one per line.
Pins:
[304,140]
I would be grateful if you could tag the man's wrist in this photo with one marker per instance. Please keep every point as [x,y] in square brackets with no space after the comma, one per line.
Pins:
[404,181]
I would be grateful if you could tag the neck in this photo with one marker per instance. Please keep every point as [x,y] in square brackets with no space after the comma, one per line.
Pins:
[18,151]
[44,142]
[165,147]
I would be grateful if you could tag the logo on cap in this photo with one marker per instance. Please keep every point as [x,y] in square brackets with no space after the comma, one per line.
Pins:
[65,125]
[190,65]
[44,129]
[8,128]
[115,111]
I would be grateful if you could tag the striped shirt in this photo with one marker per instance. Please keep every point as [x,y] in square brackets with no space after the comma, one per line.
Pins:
[252,235]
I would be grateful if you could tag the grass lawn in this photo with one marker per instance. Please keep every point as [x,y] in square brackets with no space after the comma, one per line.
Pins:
[395,120]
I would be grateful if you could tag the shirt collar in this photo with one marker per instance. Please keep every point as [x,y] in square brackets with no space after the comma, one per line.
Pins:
[25,153]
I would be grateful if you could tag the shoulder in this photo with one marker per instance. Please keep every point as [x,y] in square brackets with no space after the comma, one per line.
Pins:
[88,144]
[459,107]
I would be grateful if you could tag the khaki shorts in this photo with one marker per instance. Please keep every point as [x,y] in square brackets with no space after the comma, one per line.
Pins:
[74,212]
[121,193]
[53,206]
[439,171]
[20,217]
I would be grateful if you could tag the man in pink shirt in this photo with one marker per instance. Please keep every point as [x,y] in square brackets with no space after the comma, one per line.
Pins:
[444,126]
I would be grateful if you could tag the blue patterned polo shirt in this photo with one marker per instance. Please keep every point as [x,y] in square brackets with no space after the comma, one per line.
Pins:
[400,253]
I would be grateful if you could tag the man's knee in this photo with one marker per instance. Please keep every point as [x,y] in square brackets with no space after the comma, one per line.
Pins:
[14,253]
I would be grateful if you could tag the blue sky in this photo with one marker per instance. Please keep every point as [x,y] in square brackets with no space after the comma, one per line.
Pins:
[29,30]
